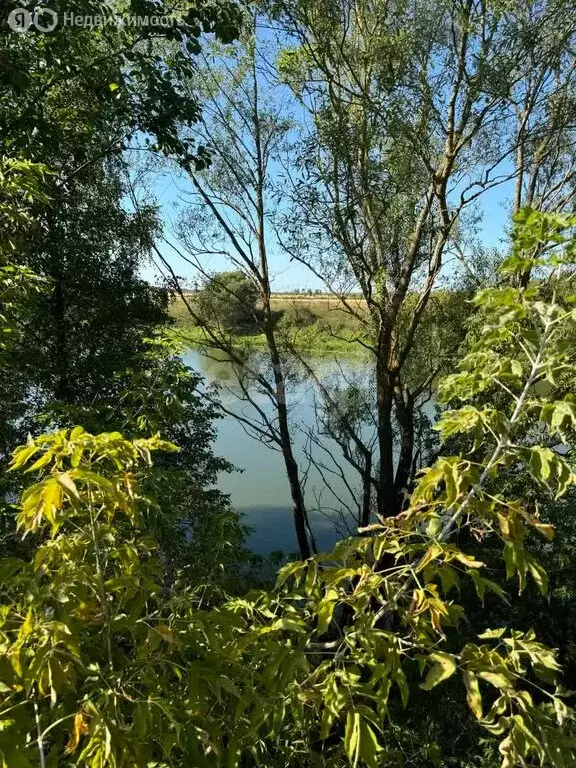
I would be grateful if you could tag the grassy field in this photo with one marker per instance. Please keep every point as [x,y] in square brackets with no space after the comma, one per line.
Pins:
[316,344]
[325,308]
[317,324]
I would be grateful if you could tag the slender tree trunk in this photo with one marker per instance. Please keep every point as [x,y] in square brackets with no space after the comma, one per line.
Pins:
[303,532]
[299,510]
[366,490]
[386,496]
[301,523]
[405,417]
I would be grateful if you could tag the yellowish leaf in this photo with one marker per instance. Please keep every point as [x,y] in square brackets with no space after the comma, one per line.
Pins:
[444,667]
[80,729]
[473,696]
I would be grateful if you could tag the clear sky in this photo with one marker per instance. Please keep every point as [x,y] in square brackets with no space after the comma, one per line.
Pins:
[491,211]
[171,189]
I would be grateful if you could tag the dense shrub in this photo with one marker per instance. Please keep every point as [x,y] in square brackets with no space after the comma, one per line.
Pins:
[229,300]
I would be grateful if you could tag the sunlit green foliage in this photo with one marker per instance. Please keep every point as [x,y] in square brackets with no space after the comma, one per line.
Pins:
[21,185]
[383,610]
[87,654]
[228,301]
[104,664]
[118,645]
[15,283]
[72,102]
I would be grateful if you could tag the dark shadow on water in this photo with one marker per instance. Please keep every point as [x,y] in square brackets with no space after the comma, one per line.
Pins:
[273,529]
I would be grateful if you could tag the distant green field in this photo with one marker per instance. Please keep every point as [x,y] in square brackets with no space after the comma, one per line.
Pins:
[325,308]
[324,327]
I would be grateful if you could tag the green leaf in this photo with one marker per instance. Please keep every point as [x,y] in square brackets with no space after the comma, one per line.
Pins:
[473,696]
[22,455]
[352,737]
[546,466]
[561,710]
[64,480]
[325,611]
[559,415]
[540,463]
[42,461]
[401,682]
[292,625]
[291,569]
[492,634]
[444,667]
[434,754]
[497,679]
[509,555]
[369,746]
[538,573]
[482,584]
[26,626]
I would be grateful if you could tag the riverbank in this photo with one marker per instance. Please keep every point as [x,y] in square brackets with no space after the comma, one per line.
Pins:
[310,341]
[316,325]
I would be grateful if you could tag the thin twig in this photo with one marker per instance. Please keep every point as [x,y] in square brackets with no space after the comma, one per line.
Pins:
[39,739]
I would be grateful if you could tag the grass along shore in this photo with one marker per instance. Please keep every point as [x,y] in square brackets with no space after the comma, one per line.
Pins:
[316,325]
[311,341]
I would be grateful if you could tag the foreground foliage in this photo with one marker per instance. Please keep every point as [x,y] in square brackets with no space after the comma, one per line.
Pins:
[382,611]
[105,663]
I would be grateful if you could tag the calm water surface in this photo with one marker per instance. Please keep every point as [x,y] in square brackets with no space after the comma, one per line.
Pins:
[260,490]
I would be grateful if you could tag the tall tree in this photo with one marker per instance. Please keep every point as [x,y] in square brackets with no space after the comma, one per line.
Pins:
[74,99]
[414,112]
[230,214]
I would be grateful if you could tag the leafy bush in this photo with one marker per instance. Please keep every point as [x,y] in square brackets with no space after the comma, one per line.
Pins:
[229,301]
[296,316]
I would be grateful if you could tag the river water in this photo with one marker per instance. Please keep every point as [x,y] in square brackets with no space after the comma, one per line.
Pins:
[259,490]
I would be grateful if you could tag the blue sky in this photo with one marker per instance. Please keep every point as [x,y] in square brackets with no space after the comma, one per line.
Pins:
[492,208]
[169,189]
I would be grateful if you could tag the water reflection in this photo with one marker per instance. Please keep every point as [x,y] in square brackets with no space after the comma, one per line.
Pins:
[260,490]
